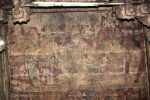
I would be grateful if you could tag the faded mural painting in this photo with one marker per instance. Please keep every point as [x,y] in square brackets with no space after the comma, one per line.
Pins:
[77,56]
